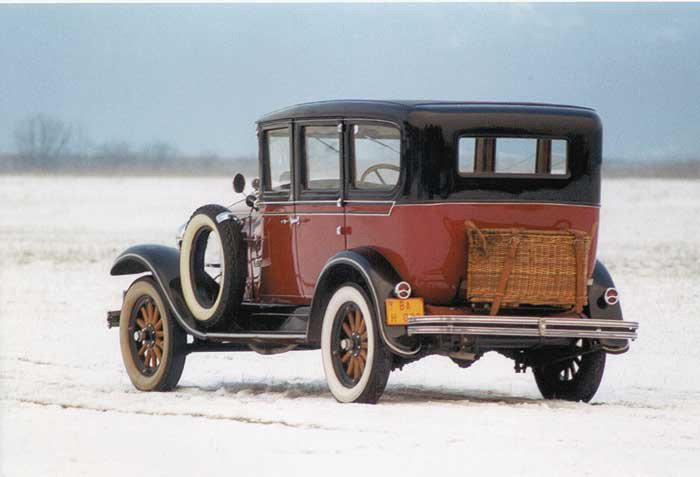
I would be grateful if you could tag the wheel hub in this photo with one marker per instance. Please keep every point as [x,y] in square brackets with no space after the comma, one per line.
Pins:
[355,344]
[146,336]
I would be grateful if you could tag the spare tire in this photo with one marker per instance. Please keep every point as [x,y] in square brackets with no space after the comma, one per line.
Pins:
[213,266]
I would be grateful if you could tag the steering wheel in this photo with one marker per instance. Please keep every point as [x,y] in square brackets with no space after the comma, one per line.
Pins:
[375,169]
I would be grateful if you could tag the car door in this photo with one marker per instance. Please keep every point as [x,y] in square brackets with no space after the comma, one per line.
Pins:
[320,213]
[373,172]
[278,281]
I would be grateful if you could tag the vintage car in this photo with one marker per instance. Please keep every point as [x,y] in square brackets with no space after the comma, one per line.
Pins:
[382,232]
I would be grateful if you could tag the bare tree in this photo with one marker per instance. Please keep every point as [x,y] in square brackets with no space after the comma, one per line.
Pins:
[114,154]
[159,154]
[42,141]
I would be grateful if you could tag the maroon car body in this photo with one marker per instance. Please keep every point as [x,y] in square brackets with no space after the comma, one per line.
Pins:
[370,195]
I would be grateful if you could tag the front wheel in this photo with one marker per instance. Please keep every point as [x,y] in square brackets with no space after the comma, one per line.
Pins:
[574,378]
[355,360]
[152,344]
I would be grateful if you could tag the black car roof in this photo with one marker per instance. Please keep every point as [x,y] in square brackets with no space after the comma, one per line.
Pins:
[400,109]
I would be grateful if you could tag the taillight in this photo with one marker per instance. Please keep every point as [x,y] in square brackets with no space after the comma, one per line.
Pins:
[611,296]
[402,290]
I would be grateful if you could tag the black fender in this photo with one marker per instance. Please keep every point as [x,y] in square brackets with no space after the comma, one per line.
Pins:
[599,310]
[164,264]
[369,268]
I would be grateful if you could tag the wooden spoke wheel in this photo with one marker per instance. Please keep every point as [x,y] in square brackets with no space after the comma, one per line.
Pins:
[350,350]
[146,327]
[152,343]
[356,361]
[573,374]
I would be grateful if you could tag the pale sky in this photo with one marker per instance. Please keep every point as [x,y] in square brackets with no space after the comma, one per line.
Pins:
[198,76]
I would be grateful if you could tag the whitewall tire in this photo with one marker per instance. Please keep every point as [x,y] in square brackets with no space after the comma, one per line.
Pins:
[212,301]
[355,360]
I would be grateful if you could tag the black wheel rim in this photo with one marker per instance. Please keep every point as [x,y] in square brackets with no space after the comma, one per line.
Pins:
[146,335]
[349,344]
[205,266]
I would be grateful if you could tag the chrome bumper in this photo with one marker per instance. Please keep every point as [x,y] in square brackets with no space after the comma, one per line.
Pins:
[551,327]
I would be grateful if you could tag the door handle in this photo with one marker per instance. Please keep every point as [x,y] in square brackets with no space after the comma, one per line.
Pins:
[290,221]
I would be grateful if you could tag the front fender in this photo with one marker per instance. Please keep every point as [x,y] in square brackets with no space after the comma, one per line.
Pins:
[164,264]
[372,269]
[599,310]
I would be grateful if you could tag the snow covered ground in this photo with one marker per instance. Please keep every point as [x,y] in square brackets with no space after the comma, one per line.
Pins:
[67,407]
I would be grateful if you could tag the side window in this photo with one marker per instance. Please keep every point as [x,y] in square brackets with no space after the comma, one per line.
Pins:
[376,156]
[467,155]
[558,155]
[510,155]
[321,158]
[516,156]
[277,163]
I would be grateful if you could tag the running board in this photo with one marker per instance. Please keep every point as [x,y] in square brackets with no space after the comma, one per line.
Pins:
[550,327]
[275,337]
[258,337]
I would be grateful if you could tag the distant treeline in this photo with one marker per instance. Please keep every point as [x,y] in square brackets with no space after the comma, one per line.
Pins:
[48,145]
[131,164]
[45,144]
[665,169]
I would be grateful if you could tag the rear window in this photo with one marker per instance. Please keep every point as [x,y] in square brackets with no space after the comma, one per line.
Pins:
[512,156]
[516,156]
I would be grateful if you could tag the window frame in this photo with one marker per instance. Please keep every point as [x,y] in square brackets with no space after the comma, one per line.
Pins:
[264,170]
[360,194]
[485,156]
[302,192]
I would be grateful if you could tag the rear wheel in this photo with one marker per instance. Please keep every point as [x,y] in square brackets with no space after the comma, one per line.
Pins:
[574,378]
[152,344]
[356,362]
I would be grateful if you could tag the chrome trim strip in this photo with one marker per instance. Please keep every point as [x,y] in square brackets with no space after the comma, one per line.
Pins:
[430,204]
[277,336]
[524,332]
[228,215]
[520,320]
[329,202]
[549,327]
[522,202]
[378,202]
[332,214]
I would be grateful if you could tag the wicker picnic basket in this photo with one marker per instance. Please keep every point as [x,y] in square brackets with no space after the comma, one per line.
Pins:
[509,267]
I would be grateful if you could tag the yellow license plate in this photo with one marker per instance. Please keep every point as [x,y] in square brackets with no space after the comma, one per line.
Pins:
[398,311]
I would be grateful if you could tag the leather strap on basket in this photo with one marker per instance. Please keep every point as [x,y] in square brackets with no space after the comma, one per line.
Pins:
[505,273]
[580,248]
[473,229]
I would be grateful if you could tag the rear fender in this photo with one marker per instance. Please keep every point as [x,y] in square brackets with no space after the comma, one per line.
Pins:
[164,264]
[370,269]
[599,310]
